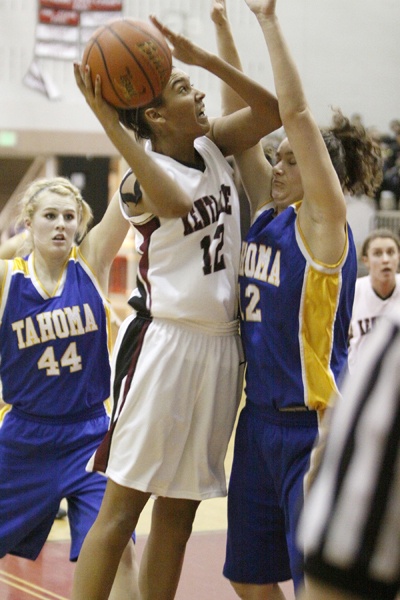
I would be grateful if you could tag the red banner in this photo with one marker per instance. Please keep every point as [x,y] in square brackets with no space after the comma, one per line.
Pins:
[59,17]
[64,28]
[81,5]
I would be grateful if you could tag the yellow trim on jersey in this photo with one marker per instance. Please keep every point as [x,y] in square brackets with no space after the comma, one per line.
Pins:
[320,300]
[5,286]
[4,410]
[4,280]
[20,264]
[77,255]
[57,286]
[318,312]
[109,325]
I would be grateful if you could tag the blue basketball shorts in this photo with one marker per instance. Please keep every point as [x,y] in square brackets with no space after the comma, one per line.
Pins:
[40,464]
[271,457]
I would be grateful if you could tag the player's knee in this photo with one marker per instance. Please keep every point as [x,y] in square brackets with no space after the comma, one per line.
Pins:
[177,517]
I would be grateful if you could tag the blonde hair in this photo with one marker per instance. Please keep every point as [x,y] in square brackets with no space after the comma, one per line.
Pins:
[58,185]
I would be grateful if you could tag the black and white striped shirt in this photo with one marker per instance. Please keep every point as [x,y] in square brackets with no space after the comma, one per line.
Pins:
[350,527]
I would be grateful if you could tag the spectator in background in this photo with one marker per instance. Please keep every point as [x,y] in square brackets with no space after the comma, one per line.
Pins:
[390,147]
[378,292]
[393,141]
[391,180]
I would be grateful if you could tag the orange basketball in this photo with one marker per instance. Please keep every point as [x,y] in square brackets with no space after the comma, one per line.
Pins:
[133,60]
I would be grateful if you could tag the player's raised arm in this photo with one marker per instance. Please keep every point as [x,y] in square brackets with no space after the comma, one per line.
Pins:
[162,195]
[244,128]
[255,171]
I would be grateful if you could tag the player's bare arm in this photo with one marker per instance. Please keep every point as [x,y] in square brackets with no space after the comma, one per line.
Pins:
[161,195]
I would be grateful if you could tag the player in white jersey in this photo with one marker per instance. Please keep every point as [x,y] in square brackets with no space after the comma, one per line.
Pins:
[185,298]
[212,225]
[377,293]
[177,370]
[55,371]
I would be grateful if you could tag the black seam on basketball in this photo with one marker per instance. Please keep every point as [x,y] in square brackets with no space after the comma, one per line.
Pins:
[145,31]
[88,49]
[115,34]
[122,99]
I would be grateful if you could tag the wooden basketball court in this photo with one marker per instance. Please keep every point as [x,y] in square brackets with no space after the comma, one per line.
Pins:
[50,576]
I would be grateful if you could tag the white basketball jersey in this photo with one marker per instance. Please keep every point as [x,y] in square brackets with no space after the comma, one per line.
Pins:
[188,267]
[368,307]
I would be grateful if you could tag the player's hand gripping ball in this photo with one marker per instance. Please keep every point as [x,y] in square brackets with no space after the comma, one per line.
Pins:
[133,60]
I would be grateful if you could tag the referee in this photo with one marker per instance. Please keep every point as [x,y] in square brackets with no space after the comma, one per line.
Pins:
[350,527]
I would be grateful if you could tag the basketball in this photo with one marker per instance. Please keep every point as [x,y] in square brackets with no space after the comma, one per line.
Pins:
[133,60]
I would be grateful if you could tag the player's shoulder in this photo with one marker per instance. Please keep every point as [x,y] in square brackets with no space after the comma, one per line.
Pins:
[363,282]
[207,143]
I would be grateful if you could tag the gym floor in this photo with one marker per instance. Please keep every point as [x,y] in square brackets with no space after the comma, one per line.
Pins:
[50,576]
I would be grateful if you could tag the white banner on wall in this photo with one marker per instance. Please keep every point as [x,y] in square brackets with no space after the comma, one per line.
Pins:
[62,31]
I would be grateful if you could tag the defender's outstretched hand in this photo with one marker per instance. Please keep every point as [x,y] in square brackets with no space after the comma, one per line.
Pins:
[218,12]
[182,48]
[262,7]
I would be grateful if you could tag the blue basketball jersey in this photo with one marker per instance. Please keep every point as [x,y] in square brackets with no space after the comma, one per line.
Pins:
[295,314]
[53,362]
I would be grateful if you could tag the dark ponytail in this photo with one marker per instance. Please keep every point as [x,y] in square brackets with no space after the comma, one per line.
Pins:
[355,155]
[135,119]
